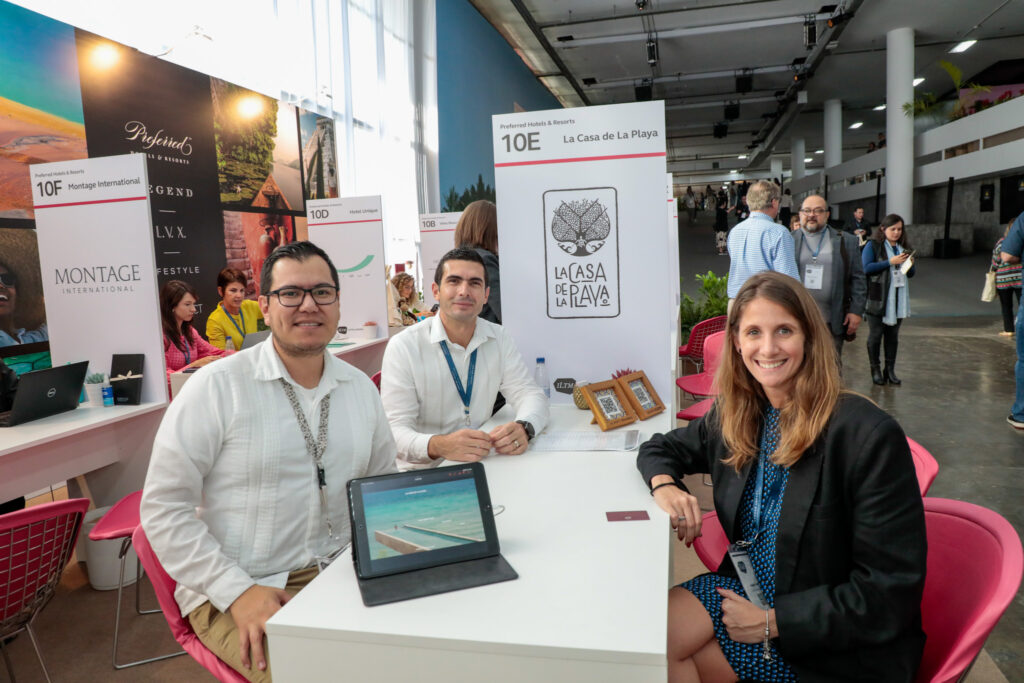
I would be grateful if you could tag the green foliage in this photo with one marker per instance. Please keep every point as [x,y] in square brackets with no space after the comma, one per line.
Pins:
[245,146]
[928,104]
[95,378]
[714,301]
[453,201]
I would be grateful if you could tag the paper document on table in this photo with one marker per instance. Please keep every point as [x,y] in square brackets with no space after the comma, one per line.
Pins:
[627,440]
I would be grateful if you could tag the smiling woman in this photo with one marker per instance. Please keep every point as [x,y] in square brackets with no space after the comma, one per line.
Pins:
[813,486]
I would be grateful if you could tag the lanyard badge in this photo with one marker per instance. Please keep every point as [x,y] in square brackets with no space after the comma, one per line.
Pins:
[467,393]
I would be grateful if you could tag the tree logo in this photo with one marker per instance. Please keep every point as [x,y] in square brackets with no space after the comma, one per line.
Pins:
[580,226]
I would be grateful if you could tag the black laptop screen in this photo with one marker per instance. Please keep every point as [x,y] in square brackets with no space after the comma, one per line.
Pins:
[421,519]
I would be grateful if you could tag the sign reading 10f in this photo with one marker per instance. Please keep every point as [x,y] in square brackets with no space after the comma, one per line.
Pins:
[522,142]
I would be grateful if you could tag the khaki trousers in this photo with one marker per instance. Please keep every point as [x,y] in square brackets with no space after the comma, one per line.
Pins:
[217,631]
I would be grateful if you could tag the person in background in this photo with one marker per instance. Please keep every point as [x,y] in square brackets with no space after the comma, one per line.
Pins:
[888,301]
[235,316]
[759,243]
[477,229]
[690,201]
[1008,283]
[858,225]
[245,493]
[10,332]
[786,207]
[183,347]
[721,222]
[818,486]
[794,222]
[741,210]
[407,301]
[1013,252]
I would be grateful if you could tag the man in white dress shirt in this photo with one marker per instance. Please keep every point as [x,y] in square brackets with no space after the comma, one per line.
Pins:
[440,377]
[246,485]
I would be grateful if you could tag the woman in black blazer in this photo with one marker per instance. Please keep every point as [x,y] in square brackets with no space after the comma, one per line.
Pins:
[838,539]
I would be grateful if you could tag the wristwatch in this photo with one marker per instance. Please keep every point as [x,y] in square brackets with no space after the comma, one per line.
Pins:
[529,429]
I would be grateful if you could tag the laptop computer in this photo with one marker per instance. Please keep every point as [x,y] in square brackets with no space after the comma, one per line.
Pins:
[424,532]
[254,338]
[42,393]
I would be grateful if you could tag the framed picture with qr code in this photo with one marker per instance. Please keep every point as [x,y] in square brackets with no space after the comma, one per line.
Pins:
[610,404]
[641,394]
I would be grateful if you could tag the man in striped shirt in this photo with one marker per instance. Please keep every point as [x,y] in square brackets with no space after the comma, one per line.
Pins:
[759,243]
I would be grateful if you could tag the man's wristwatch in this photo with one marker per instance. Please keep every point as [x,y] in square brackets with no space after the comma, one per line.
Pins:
[528,428]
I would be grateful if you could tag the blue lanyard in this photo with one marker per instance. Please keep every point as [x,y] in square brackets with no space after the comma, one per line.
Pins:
[467,393]
[807,238]
[188,351]
[241,314]
[773,495]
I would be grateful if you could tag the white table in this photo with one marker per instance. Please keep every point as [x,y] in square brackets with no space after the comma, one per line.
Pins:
[117,439]
[589,605]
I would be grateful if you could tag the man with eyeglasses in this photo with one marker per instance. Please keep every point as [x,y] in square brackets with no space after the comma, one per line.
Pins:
[440,377]
[831,270]
[245,495]
[759,243]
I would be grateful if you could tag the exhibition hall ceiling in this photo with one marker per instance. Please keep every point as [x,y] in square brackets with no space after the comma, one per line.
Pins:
[597,52]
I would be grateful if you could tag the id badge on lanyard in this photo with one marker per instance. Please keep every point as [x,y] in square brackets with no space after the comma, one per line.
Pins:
[745,570]
[813,275]
[898,278]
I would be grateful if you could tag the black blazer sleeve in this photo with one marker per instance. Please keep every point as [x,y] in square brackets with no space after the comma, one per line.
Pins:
[677,453]
[863,586]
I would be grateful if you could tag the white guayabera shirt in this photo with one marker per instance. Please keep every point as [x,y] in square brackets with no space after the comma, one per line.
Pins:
[231,496]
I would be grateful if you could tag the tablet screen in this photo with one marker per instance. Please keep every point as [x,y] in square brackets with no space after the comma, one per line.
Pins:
[421,519]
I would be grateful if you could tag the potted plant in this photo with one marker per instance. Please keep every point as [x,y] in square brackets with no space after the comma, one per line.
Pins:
[714,301]
[94,389]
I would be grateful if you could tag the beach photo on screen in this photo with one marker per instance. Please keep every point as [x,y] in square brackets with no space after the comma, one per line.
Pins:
[412,520]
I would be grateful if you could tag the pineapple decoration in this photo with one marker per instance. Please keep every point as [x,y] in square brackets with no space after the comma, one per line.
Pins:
[577,396]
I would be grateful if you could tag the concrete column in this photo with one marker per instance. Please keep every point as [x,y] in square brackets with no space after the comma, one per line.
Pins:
[833,133]
[776,168]
[796,156]
[899,128]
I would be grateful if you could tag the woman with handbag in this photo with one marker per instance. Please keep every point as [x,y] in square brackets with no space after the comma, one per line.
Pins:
[888,301]
[1008,284]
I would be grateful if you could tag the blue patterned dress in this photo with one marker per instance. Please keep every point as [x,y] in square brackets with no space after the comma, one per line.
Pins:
[747,659]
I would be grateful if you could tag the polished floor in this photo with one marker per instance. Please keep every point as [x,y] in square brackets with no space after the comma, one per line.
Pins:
[957,389]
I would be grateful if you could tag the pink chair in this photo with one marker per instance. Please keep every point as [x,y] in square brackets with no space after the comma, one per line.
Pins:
[701,385]
[120,522]
[376,380]
[694,347]
[696,410]
[35,546]
[711,545]
[975,562]
[181,629]
[925,464]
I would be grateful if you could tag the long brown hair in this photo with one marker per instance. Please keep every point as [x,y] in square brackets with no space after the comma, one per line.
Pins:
[478,227]
[171,295]
[741,398]
[887,222]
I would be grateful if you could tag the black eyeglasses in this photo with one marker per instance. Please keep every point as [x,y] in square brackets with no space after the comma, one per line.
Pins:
[8,280]
[292,297]
[816,212]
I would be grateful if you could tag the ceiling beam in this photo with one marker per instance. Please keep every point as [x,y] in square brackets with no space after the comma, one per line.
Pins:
[531,23]
[653,13]
[682,78]
[569,41]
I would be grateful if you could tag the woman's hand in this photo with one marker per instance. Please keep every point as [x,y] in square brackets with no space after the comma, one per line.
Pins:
[682,509]
[202,361]
[744,620]
[899,258]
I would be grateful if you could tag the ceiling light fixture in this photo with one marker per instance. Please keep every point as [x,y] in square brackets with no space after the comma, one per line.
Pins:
[652,50]
[808,160]
[810,32]
[819,151]
[880,107]
[964,46]
[855,126]
[742,156]
[918,81]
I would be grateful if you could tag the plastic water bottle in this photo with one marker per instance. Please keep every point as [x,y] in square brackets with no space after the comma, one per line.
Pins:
[108,392]
[540,376]
[229,343]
